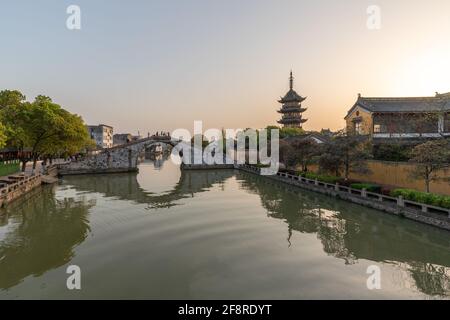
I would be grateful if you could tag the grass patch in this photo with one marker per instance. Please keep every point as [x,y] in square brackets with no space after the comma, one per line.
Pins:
[9,167]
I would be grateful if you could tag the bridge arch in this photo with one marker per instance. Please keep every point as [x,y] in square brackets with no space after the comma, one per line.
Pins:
[122,158]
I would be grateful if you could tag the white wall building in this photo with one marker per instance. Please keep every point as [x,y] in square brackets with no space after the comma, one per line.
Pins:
[102,134]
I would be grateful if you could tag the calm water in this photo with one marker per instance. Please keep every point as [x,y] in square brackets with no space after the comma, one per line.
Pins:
[212,234]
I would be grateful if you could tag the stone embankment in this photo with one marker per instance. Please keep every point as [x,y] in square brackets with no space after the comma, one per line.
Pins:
[15,186]
[431,215]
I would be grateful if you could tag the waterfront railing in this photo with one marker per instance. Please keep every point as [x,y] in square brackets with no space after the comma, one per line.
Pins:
[399,202]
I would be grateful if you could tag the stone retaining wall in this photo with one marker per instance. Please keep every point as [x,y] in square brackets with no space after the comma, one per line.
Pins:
[429,218]
[18,189]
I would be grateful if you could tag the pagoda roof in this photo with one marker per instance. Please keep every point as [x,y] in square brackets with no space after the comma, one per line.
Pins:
[292,120]
[291,96]
[285,109]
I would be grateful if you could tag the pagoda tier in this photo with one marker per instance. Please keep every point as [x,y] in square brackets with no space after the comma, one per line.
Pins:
[291,108]
[292,120]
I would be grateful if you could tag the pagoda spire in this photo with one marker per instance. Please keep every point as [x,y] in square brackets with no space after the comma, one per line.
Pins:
[291,81]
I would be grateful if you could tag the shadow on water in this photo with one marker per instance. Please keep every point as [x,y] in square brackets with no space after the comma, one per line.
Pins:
[44,241]
[351,232]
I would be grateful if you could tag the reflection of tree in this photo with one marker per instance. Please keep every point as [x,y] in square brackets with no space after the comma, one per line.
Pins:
[431,279]
[351,232]
[48,230]
[302,213]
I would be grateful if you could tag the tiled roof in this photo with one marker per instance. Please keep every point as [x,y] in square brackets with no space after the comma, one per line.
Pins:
[292,96]
[440,102]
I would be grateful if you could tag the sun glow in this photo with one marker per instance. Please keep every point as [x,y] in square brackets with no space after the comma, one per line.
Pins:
[425,74]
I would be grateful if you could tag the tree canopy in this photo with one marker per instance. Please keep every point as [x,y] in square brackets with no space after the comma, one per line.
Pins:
[41,126]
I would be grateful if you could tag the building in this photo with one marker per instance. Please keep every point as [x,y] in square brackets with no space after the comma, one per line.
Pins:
[408,119]
[291,108]
[122,138]
[102,134]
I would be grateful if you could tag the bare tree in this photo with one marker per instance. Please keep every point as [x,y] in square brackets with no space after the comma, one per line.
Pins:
[430,157]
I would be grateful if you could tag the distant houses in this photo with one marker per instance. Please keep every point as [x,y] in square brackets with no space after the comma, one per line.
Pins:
[408,119]
[102,134]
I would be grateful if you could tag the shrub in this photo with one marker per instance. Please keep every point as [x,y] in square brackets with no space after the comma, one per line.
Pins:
[368,186]
[423,197]
[321,177]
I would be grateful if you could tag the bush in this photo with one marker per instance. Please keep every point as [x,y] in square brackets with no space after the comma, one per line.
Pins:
[423,197]
[368,186]
[321,177]
[391,152]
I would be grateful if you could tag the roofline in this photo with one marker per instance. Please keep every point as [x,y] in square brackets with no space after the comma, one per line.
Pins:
[357,104]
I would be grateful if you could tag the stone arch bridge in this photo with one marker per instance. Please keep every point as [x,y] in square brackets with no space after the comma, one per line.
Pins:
[122,158]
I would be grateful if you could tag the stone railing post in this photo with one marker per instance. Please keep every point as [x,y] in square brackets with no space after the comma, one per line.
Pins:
[336,186]
[364,193]
[424,209]
[316,182]
[400,201]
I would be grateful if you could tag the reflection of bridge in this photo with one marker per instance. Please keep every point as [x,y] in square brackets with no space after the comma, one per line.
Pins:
[126,186]
[122,158]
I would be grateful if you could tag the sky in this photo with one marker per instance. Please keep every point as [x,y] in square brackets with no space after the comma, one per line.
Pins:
[159,65]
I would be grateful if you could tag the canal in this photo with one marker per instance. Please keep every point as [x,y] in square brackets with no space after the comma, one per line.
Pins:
[166,234]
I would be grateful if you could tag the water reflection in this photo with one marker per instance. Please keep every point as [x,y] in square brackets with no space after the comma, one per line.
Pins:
[42,232]
[350,232]
[43,235]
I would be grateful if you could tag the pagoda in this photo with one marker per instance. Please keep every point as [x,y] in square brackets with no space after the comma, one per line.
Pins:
[291,108]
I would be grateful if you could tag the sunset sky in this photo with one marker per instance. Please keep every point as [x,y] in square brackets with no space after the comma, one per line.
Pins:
[160,65]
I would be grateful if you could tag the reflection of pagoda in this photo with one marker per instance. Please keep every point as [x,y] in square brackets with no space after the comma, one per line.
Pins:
[291,108]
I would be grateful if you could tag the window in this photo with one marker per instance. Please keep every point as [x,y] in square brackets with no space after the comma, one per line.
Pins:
[358,127]
[376,128]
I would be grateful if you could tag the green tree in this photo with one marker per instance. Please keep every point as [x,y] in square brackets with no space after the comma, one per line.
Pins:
[44,128]
[286,132]
[11,98]
[3,135]
[430,157]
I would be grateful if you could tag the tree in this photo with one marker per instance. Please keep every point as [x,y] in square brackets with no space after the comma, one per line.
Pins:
[43,127]
[11,98]
[430,157]
[298,151]
[3,135]
[347,153]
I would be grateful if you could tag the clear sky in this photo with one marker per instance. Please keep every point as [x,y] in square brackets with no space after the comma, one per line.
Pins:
[160,65]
